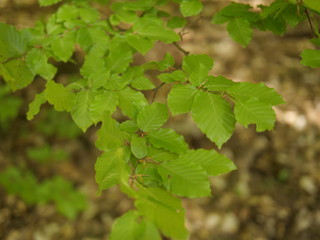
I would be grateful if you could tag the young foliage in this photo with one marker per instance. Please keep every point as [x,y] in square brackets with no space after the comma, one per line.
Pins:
[149,162]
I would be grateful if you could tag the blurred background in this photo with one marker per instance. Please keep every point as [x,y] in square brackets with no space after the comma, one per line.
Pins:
[47,186]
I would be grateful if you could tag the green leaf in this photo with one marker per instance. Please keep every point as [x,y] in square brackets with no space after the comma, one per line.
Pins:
[164,210]
[211,161]
[34,106]
[12,42]
[315,41]
[219,83]
[142,83]
[168,139]
[240,31]
[63,46]
[290,15]
[139,147]
[253,111]
[161,155]
[176,22]
[129,126]
[190,7]
[89,14]
[126,227]
[175,76]
[93,38]
[16,74]
[197,66]
[60,97]
[185,178]
[109,135]
[119,58]
[126,16]
[219,18]
[135,228]
[274,9]
[37,63]
[44,3]
[116,82]
[311,58]
[149,27]
[103,103]
[181,97]
[141,44]
[214,117]
[261,92]
[199,75]
[312,4]
[235,10]
[53,29]
[277,25]
[131,101]
[140,5]
[151,177]
[67,12]
[81,110]
[152,117]
[108,167]
[95,71]
[167,62]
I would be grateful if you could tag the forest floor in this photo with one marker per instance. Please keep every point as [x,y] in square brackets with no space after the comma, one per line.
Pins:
[274,194]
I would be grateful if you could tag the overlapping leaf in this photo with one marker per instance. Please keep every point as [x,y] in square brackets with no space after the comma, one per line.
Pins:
[109,135]
[152,117]
[60,97]
[181,97]
[141,44]
[154,30]
[16,74]
[175,76]
[102,103]
[211,161]
[168,139]
[240,31]
[81,110]
[219,83]
[12,42]
[48,2]
[164,210]
[312,4]
[214,117]
[185,178]
[130,227]
[108,167]
[139,147]
[190,7]
[131,102]
[246,90]
[37,63]
[34,106]
[311,58]
[191,62]
[63,46]
[253,111]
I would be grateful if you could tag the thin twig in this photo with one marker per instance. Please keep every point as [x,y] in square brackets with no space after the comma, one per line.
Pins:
[310,22]
[190,24]
[155,91]
[185,52]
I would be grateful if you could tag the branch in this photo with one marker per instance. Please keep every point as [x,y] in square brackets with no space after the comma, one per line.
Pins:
[155,91]
[185,52]
[310,22]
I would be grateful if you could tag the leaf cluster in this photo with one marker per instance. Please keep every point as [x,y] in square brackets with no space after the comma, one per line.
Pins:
[148,161]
